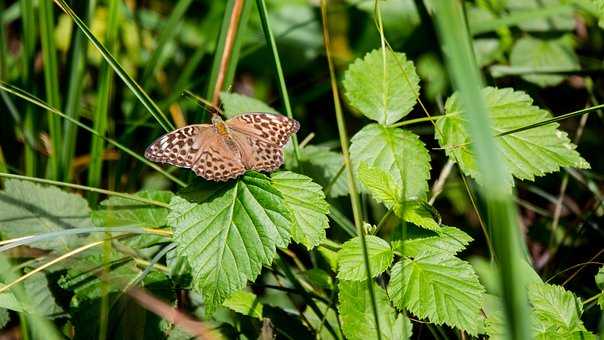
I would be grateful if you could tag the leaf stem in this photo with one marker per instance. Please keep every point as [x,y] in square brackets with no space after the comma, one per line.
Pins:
[83,187]
[270,39]
[354,196]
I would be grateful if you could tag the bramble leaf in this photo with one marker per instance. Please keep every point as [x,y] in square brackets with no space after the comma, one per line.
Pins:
[4,317]
[306,203]
[235,104]
[356,311]
[229,233]
[322,165]
[439,287]
[398,152]
[445,240]
[27,209]
[382,96]
[245,303]
[600,284]
[542,55]
[351,260]
[527,154]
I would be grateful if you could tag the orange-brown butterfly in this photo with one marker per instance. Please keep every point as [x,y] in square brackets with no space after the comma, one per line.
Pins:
[226,149]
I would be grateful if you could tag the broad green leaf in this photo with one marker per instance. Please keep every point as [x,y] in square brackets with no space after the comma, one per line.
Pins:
[600,283]
[356,312]
[398,152]
[527,154]
[446,240]
[322,165]
[382,96]
[4,317]
[563,21]
[41,300]
[439,287]
[245,303]
[235,104]
[351,260]
[306,203]
[229,235]
[27,209]
[534,54]
[557,313]
[383,189]
[123,212]
[494,322]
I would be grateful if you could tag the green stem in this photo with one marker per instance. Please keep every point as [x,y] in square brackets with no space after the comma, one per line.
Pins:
[352,188]
[86,188]
[270,39]
[417,120]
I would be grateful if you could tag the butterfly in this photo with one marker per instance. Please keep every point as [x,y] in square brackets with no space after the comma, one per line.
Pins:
[225,150]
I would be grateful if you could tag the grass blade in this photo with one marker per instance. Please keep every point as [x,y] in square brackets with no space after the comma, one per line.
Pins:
[136,89]
[102,107]
[51,83]
[500,206]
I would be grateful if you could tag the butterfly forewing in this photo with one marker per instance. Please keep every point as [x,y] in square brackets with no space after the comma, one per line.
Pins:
[271,128]
[180,147]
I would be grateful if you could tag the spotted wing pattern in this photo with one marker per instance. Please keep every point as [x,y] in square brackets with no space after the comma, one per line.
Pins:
[220,160]
[258,154]
[180,147]
[270,128]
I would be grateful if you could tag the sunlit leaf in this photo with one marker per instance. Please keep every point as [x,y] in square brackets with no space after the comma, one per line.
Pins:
[382,96]
[529,153]
[351,260]
[356,312]
[306,202]
[446,240]
[230,234]
[398,152]
[28,209]
[439,287]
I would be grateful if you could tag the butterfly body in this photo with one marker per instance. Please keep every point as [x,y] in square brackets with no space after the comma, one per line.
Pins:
[226,149]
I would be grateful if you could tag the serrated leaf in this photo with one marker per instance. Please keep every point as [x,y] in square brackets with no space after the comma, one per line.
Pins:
[446,240]
[544,55]
[600,283]
[123,212]
[419,213]
[351,260]
[234,104]
[28,209]
[527,154]
[382,96]
[322,165]
[4,317]
[245,303]
[398,152]
[228,237]
[439,287]
[557,312]
[306,202]
[356,312]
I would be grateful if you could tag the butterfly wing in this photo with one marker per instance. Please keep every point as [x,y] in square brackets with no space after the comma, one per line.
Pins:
[219,160]
[270,128]
[180,147]
[261,137]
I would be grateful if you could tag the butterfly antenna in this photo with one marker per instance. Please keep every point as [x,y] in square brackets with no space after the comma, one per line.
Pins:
[213,109]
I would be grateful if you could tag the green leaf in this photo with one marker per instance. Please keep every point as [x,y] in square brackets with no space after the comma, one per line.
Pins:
[234,104]
[306,203]
[229,235]
[356,312]
[439,287]
[318,323]
[41,300]
[398,152]
[383,97]
[446,240]
[351,261]
[600,284]
[537,55]
[4,317]
[557,312]
[123,212]
[527,154]
[245,303]
[494,323]
[27,209]
[322,165]
[419,213]
[318,278]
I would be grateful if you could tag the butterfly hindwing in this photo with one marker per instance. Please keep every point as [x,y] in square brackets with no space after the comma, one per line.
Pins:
[258,154]
[219,160]
[272,128]
[180,147]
